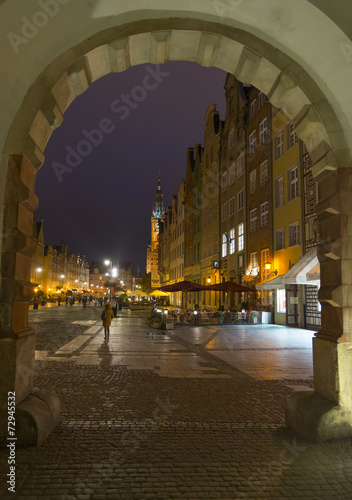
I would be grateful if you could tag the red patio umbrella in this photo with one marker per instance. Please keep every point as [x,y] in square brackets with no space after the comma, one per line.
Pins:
[183,286]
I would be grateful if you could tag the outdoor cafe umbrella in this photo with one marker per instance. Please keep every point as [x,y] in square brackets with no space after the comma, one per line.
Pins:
[230,286]
[159,293]
[183,286]
[135,293]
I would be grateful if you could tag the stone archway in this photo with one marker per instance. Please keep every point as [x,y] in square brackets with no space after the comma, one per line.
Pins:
[267,60]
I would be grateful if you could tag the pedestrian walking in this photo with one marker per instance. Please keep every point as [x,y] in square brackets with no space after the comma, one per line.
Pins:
[58,300]
[107,316]
[66,300]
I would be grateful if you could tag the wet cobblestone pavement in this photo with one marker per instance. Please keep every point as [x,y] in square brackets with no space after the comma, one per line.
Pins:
[191,414]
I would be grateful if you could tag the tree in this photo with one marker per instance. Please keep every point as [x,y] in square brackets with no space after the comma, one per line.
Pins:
[110,284]
[145,283]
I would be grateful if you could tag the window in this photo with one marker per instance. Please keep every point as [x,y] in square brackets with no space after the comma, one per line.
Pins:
[224,245]
[253,220]
[278,146]
[264,258]
[231,138]
[279,191]
[264,214]
[240,199]
[224,181]
[253,260]
[252,142]
[240,165]
[263,132]
[291,135]
[293,183]
[232,238]
[253,181]
[293,234]
[253,108]
[240,233]
[224,211]
[232,206]
[281,300]
[280,239]
[240,260]
[261,100]
[232,172]
[263,173]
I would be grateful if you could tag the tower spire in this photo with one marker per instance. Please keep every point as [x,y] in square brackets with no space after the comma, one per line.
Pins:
[158,210]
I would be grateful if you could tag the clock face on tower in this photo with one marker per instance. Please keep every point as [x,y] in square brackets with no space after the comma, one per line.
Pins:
[156,226]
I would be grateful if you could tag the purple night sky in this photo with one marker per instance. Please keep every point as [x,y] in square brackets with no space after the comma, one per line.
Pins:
[102,206]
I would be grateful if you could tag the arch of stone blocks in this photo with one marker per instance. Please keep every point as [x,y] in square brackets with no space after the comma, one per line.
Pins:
[253,56]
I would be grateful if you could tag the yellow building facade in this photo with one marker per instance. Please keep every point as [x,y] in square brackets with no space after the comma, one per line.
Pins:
[287,215]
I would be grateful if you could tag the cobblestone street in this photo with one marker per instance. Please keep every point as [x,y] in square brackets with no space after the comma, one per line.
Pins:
[195,413]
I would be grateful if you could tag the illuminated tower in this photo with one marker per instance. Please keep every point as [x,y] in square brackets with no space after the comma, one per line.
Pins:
[157,216]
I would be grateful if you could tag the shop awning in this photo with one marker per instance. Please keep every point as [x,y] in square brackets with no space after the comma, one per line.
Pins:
[306,271]
[271,284]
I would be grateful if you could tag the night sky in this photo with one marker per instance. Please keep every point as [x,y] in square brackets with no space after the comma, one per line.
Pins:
[99,201]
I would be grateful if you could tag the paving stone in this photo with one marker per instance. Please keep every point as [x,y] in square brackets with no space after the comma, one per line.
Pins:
[130,433]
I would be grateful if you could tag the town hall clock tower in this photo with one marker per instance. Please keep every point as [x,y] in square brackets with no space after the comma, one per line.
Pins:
[157,216]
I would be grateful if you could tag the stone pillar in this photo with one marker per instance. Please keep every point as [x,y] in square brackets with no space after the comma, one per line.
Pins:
[36,414]
[326,413]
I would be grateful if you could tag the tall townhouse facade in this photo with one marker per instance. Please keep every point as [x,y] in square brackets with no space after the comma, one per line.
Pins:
[233,188]
[189,215]
[193,214]
[177,240]
[210,262]
[197,215]
[164,247]
[259,192]
[287,215]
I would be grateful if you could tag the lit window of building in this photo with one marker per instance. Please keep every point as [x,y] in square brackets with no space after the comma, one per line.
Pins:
[232,243]
[224,245]
[240,233]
